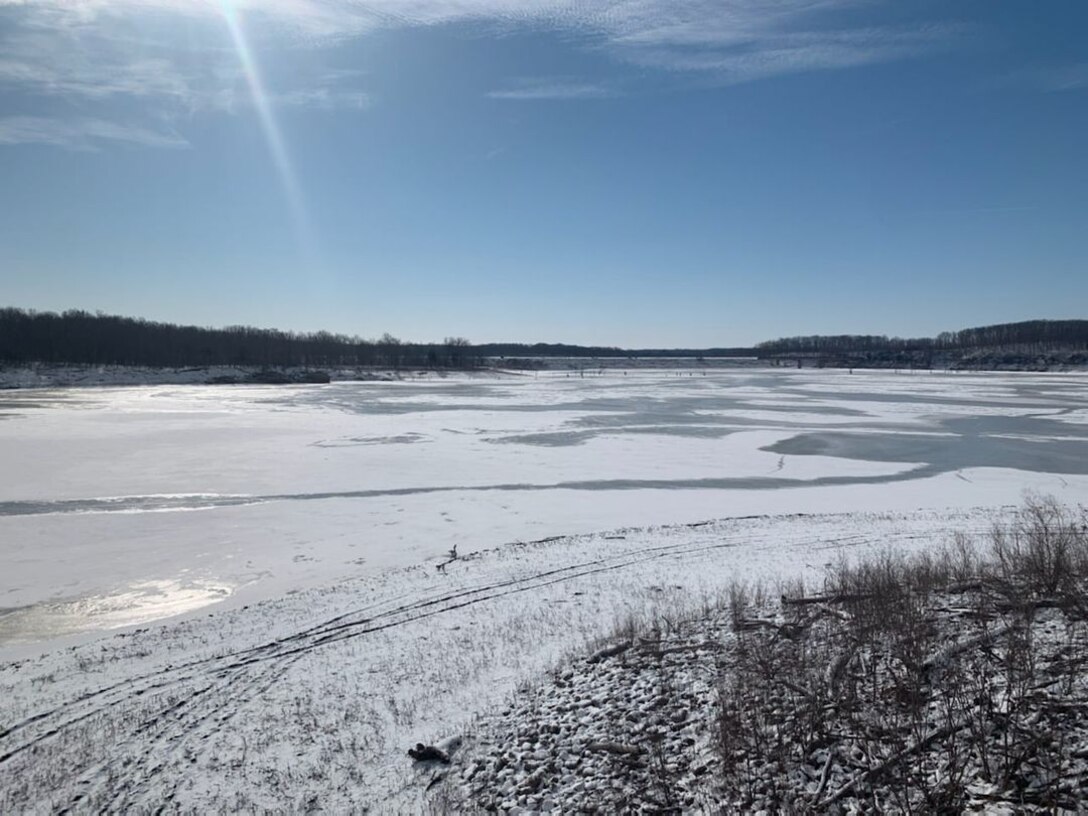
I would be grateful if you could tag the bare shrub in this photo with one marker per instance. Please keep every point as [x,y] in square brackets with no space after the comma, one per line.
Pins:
[1043,553]
[930,683]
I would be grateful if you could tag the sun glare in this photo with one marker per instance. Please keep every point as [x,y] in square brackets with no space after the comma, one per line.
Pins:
[277,147]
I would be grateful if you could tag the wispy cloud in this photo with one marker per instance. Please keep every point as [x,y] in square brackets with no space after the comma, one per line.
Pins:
[96,57]
[1053,79]
[697,33]
[775,54]
[332,90]
[543,88]
[325,99]
[119,61]
[175,57]
[81,133]
[155,79]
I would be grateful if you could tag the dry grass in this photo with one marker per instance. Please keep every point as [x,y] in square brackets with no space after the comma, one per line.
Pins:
[931,683]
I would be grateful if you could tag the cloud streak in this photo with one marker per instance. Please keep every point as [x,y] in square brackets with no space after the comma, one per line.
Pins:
[1054,79]
[83,133]
[526,90]
[797,52]
[325,99]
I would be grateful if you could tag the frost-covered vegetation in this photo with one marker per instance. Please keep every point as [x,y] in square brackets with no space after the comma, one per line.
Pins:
[948,680]
[940,682]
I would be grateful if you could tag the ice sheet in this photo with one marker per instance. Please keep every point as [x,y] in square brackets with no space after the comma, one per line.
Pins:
[265,489]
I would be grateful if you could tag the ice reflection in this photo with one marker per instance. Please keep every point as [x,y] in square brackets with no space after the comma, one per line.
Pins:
[137,603]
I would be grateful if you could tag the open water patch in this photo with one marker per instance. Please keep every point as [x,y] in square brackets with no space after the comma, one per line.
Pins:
[155,503]
[355,441]
[138,504]
[139,602]
[980,443]
[570,438]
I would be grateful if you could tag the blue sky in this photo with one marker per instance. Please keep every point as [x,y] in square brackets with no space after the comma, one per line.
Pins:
[649,173]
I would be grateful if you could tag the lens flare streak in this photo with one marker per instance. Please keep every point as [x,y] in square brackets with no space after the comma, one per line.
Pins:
[276,145]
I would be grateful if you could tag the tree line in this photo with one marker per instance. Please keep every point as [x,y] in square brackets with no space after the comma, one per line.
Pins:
[80,337]
[1029,336]
[566,350]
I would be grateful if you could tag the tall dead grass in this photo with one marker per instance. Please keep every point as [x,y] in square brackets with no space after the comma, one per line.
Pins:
[927,683]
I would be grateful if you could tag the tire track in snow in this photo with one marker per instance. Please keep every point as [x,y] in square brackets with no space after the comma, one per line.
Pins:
[330,631]
[202,696]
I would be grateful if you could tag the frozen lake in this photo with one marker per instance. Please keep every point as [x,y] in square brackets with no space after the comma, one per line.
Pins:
[124,505]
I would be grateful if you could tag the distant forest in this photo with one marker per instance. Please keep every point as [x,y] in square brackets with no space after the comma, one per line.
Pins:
[80,337]
[1030,336]
[565,350]
[97,339]
[1036,345]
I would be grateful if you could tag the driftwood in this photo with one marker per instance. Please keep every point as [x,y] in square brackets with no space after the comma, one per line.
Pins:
[1030,605]
[796,689]
[615,748]
[428,753]
[652,647]
[452,557]
[837,669]
[610,651]
[752,624]
[808,600]
[942,657]
[790,631]
[961,587]
[825,774]
[891,762]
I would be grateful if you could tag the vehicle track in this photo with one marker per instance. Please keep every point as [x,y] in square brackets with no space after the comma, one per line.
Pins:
[335,629]
[184,706]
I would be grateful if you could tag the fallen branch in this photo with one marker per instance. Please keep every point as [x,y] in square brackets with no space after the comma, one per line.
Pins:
[751,624]
[892,761]
[794,687]
[837,669]
[809,600]
[825,774]
[690,647]
[610,651]
[428,753]
[615,748]
[790,631]
[942,657]
[452,557]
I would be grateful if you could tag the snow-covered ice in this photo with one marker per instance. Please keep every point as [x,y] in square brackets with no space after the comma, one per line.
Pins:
[290,535]
[298,486]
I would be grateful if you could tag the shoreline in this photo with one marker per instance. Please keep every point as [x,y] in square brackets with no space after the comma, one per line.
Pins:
[53,376]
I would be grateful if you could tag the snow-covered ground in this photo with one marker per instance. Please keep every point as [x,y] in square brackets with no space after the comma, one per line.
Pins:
[293,533]
[316,696]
